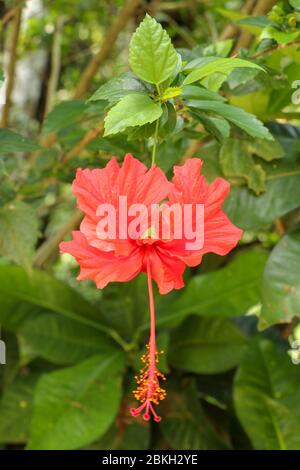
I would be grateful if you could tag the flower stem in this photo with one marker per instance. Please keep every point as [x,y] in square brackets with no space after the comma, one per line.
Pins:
[152,339]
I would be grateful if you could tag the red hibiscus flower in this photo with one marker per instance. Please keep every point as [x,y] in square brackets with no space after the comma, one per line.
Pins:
[163,258]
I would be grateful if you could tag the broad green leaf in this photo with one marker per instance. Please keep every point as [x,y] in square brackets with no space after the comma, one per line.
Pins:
[227,292]
[19,231]
[127,432]
[253,212]
[38,288]
[12,356]
[295,4]
[11,142]
[281,282]
[238,165]
[118,87]
[73,407]
[219,128]
[61,340]
[248,122]
[193,92]
[185,425]
[221,65]
[206,345]
[152,56]
[64,114]
[133,435]
[168,124]
[265,149]
[16,408]
[133,110]
[267,397]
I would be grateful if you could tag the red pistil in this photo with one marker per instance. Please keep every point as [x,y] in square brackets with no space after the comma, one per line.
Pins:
[148,390]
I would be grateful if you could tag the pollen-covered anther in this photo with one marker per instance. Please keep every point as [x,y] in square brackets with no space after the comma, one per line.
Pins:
[149,391]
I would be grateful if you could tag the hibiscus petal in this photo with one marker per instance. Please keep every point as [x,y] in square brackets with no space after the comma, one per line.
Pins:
[189,185]
[94,187]
[220,235]
[101,267]
[140,184]
[120,247]
[166,270]
[215,196]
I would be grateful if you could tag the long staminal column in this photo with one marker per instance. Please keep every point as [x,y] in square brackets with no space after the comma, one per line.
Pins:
[148,390]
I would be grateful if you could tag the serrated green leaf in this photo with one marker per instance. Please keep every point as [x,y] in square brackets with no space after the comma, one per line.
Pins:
[220,65]
[267,397]
[74,406]
[152,56]
[116,88]
[246,121]
[19,231]
[132,110]
[11,142]
[206,345]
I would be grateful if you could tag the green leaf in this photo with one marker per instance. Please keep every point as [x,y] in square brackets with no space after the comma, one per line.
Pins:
[185,425]
[295,4]
[253,212]
[16,408]
[19,231]
[281,37]
[152,56]
[281,282]
[238,164]
[267,397]
[171,92]
[219,128]
[265,149]
[206,345]
[132,110]
[11,142]
[75,406]
[221,65]
[246,121]
[64,114]
[228,292]
[38,288]
[61,340]
[193,92]
[116,88]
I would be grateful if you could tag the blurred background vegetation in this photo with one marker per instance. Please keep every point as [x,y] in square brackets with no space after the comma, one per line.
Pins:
[228,337]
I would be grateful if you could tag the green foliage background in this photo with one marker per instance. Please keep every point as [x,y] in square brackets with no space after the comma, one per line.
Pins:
[219,82]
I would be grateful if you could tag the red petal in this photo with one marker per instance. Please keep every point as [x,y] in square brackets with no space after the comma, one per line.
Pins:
[166,270]
[93,187]
[101,267]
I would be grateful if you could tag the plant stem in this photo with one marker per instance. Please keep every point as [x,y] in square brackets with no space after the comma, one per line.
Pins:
[155,133]
[155,143]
